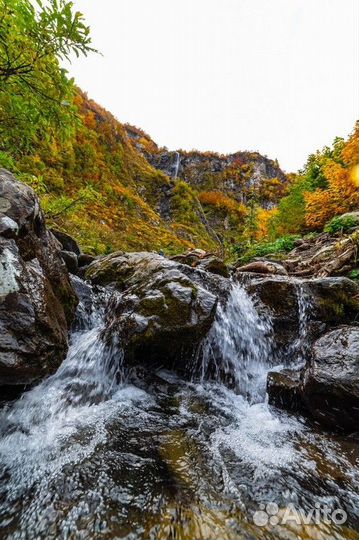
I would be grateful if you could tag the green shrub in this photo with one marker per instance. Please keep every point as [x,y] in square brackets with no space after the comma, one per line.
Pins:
[7,162]
[248,252]
[354,274]
[341,224]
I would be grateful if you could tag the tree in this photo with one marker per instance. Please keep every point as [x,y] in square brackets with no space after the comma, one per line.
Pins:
[35,92]
[341,194]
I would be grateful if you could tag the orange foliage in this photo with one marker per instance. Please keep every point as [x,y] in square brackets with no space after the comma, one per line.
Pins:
[342,194]
[350,152]
[319,208]
[90,120]
[221,201]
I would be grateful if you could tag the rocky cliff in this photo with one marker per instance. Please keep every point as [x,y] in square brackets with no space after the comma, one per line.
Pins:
[210,193]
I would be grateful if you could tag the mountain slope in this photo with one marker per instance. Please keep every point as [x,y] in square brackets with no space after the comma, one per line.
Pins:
[111,187]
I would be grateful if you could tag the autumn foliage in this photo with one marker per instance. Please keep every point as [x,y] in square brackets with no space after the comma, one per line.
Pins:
[264,219]
[328,186]
[220,201]
[342,192]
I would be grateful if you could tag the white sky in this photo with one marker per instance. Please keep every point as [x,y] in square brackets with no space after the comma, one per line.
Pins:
[277,76]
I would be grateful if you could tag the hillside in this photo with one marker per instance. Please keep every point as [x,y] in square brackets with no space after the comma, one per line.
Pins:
[112,188]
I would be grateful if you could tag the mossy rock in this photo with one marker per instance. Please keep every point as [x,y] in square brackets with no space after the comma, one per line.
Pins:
[165,308]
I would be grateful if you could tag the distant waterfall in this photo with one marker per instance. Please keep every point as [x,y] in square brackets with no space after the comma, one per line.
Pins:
[177,164]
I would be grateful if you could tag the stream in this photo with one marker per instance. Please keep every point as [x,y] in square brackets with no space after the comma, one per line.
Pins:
[97,452]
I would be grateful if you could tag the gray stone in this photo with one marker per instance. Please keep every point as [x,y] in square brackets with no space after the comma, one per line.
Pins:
[163,312]
[331,383]
[70,259]
[66,241]
[37,301]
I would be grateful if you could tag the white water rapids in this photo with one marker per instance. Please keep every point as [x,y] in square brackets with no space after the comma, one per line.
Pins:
[89,455]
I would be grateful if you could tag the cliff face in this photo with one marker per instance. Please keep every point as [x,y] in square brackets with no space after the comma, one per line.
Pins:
[245,176]
[210,192]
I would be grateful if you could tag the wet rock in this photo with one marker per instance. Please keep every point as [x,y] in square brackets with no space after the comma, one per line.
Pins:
[331,383]
[66,241]
[197,258]
[37,301]
[284,389]
[263,267]
[214,265]
[165,309]
[85,259]
[309,305]
[335,300]
[70,259]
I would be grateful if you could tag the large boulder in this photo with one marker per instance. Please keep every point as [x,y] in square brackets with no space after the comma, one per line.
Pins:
[37,301]
[331,383]
[197,258]
[165,308]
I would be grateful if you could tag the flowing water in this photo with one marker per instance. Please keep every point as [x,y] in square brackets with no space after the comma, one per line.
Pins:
[299,350]
[91,454]
[177,165]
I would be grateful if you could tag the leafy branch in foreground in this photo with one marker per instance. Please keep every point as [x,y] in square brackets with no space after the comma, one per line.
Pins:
[35,92]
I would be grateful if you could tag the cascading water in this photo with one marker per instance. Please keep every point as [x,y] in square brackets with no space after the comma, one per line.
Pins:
[298,351]
[240,345]
[177,164]
[57,424]
[88,456]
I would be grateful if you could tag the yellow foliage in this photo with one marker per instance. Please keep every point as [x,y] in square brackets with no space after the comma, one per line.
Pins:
[263,220]
[221,201]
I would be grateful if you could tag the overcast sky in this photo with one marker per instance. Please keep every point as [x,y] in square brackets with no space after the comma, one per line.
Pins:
[277,76]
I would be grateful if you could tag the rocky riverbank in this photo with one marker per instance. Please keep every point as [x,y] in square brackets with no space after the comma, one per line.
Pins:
[159,311]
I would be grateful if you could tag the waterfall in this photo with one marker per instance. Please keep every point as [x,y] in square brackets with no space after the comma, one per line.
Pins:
[239,348]
[86,454]
[299,350]
[177,164]
[57,423]
[304,312]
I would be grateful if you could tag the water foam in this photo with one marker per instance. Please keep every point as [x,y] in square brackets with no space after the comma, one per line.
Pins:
[240,345]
